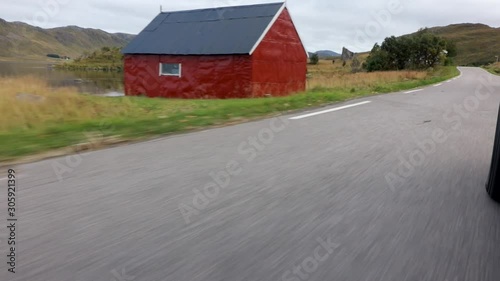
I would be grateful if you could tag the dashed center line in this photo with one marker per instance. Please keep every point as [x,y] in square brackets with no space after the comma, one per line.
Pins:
[328,111]
[414,91]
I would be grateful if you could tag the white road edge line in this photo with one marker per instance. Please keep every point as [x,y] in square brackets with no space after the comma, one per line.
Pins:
[328,111]
[437,85]
[414,91]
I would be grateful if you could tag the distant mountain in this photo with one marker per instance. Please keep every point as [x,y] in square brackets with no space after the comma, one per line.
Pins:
[477,44]
[22,41]
[324,54]
[327,54]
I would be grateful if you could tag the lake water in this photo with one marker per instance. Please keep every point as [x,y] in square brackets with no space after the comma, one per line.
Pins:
[90,82]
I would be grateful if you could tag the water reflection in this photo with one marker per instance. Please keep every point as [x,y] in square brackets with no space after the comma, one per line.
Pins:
[95,83]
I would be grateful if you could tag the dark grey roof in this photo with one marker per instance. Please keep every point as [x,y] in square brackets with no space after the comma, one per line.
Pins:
[228,30]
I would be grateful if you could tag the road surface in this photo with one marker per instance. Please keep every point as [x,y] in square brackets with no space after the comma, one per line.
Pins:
[389,187]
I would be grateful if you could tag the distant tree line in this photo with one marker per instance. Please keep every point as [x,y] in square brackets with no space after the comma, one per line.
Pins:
[110,55]
[418,51]
[103,59]
[56,56]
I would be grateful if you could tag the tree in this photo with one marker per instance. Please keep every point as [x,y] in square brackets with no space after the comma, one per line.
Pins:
[428,50]
[451,48]
[418,51]
[377,60]
[314,59]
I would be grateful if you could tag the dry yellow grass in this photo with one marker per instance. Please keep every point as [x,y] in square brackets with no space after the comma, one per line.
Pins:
[28,101]
[328,75]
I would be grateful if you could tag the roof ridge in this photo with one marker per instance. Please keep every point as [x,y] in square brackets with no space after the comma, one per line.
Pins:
[223,7]
[222,19]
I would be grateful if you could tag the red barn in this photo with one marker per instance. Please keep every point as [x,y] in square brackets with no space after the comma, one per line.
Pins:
[230,52]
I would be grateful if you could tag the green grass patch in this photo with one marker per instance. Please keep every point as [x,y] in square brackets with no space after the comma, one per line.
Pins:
[435,76]
[493,68]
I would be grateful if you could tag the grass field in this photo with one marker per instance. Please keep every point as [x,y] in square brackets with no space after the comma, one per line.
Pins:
[477,44]
[48,119]
[335,76]
[493,68]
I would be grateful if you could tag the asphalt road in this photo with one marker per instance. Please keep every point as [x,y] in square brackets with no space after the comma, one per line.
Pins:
[387,190]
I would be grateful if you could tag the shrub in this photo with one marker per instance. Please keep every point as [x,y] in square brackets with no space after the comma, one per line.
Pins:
[418,51]
[314,59]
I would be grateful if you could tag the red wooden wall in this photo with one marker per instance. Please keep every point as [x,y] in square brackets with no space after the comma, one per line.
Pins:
[279,64]
[201,76]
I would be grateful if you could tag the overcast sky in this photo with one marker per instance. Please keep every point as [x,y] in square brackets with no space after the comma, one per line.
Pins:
[322,24]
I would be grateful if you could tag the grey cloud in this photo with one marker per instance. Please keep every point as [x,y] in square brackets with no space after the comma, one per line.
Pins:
[322,24]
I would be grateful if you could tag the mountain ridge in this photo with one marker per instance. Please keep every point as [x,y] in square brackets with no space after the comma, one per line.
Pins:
[19,40]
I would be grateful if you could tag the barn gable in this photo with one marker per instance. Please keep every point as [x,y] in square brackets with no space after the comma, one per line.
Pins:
[279,62]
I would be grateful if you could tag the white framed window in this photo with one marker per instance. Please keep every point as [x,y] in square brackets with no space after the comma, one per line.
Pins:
[170,69]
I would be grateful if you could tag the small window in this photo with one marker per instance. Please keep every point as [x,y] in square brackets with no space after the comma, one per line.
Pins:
[170,69]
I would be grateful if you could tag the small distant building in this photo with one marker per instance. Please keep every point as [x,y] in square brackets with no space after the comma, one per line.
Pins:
[230,52]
